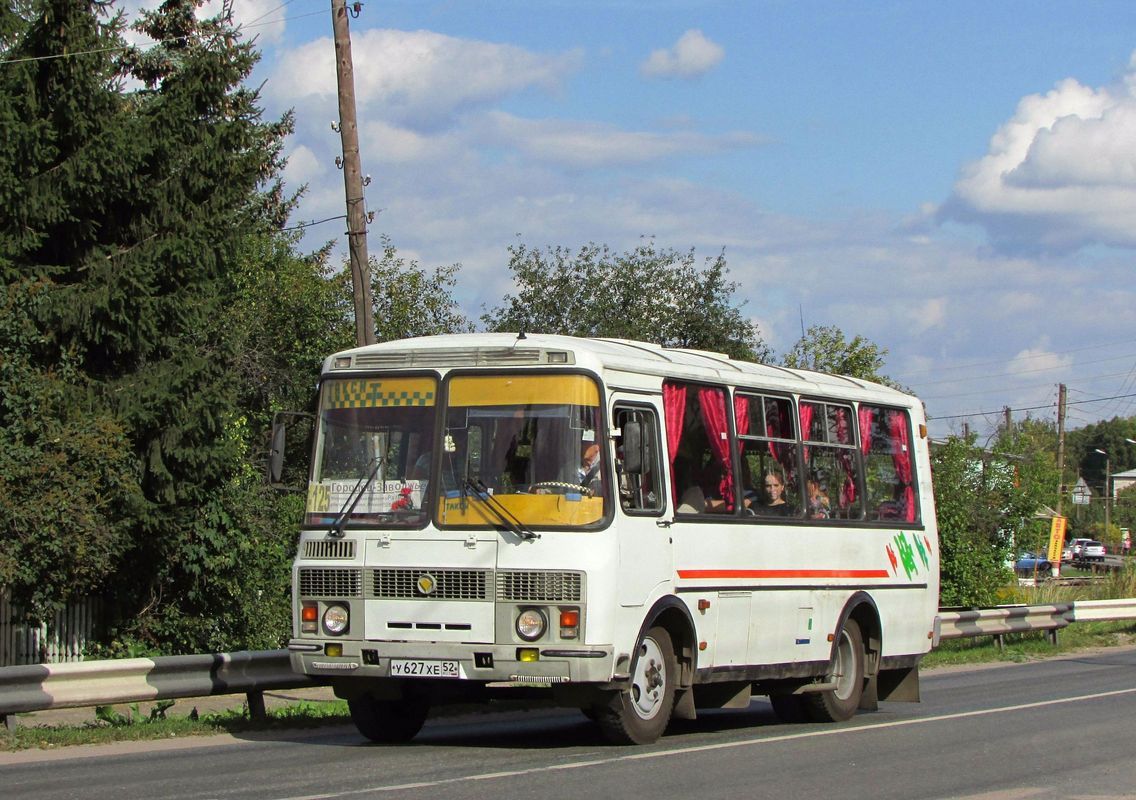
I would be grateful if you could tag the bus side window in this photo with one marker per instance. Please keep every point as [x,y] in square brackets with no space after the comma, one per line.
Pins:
[638,477]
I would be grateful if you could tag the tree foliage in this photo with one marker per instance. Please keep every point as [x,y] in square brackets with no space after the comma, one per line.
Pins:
[651,294]
[824,348]
[129,211]
[988,504]
[411,301]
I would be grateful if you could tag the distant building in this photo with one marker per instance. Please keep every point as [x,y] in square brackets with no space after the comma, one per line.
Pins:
[1122,480]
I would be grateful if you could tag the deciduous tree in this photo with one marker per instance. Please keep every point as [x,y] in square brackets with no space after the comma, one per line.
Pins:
[651,294]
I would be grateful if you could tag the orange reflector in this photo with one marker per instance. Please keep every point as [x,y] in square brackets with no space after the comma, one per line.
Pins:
[308,613]
[703,604]
[569,618]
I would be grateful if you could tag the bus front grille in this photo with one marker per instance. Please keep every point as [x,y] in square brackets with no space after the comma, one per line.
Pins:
[329,582]
[329,548]
[407,583]
[532,586]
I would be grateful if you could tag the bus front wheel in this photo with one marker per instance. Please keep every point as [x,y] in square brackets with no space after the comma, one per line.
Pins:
[388,721]
[640,713]
[847,672]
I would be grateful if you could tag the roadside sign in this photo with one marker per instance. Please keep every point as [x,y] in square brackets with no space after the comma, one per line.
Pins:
[1081,493]
[1056,543]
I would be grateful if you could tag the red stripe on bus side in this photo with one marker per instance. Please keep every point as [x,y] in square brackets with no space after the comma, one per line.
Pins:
[782,573]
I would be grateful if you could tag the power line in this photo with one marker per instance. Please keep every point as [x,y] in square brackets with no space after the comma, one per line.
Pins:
[1016,358]
[315,222]
[1039,369]
[1030,408]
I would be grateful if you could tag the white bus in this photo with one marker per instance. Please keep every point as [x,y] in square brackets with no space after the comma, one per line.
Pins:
[633,530]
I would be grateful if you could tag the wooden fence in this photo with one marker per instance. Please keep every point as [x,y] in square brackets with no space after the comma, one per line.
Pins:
[59,640]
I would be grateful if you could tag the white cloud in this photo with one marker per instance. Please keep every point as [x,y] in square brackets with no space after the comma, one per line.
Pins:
[1061,173]
[420,79]
[587,145]
[692,56]
[1034,360]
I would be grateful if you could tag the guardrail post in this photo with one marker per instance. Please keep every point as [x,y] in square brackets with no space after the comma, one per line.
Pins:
[255,700]
[8,721]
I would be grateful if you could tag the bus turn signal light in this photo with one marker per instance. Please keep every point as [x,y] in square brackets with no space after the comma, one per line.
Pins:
[308,618]
[569,623]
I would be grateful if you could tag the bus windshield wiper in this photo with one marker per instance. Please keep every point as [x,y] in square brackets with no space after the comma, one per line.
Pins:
[507,518]
[353,498]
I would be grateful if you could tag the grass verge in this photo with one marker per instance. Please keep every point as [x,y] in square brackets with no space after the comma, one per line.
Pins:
[109,726]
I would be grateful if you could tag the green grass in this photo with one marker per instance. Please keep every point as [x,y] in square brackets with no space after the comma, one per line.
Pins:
[107,725]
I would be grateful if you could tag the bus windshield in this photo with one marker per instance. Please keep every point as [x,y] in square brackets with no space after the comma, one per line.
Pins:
[525,446]
[372,460]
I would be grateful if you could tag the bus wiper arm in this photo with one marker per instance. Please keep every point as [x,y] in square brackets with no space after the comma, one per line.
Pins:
[507,518]
[356,494]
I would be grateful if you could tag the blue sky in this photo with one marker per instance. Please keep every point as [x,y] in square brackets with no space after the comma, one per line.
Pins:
[954,181]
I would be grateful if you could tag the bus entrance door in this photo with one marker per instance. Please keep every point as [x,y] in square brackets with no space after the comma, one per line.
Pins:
[645,553]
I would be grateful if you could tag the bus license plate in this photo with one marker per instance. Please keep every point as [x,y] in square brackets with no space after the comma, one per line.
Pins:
[418,668]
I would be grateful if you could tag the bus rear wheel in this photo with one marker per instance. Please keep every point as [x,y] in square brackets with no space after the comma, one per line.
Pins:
[388,721]
[847,672]
[640,713]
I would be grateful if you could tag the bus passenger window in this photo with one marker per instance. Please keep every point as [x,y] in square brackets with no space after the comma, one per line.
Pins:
[888,480]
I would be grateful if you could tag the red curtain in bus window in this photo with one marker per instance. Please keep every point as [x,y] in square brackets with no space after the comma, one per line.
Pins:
[806,412]
[712,404]
[901,455]
[741,416]
[843,435]
[674,409]
[865,430]
[741,425]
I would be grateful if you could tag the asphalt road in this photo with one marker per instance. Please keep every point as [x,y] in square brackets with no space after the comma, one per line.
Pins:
[1058,728]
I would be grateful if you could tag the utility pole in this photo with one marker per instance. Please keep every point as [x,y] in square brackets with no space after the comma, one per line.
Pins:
[1060,446]
[1009,419]
[353,174]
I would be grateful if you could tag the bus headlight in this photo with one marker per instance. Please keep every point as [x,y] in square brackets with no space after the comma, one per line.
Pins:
[531,624]
[335,620]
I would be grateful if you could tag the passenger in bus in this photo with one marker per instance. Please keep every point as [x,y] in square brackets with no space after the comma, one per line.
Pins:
[775,505]
[819,507]
[692,501]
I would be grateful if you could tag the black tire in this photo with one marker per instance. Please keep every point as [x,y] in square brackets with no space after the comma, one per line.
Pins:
[847,671]
[388,721]
[789,708]
[640,713]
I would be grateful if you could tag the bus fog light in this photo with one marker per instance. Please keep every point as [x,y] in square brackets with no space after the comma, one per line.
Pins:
[333,650]
[528,654]
[531,624]
[335,620]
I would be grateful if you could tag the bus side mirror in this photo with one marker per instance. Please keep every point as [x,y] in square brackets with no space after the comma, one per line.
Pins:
[280,423]
[633,447]
[276,451]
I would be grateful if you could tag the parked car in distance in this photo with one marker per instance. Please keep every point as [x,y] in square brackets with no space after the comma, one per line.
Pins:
[1075,548]
[1092,550]
[1029,564]
[1067,553]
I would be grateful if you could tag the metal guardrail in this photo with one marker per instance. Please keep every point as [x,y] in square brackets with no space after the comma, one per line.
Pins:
[999,621]
[42,687]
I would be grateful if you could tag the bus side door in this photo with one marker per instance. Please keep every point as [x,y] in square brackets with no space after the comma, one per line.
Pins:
[645,557]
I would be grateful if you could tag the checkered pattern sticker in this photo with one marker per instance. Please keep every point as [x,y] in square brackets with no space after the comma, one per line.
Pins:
[375,393]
